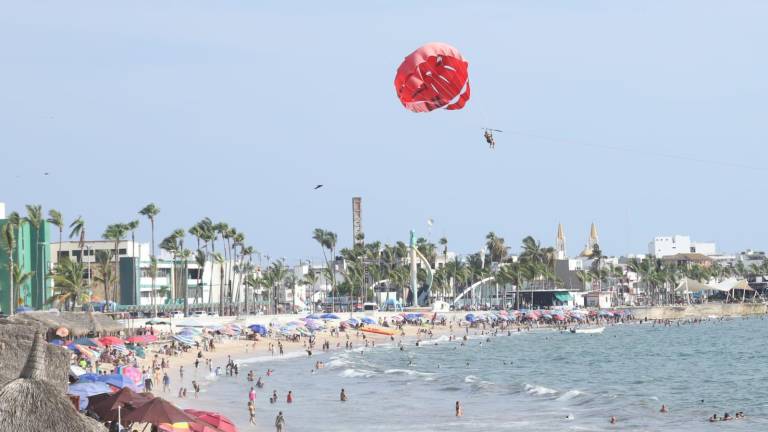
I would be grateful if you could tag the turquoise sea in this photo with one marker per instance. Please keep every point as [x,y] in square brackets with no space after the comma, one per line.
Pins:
[529,381]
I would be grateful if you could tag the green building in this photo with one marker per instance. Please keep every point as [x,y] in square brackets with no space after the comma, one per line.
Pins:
[32,253]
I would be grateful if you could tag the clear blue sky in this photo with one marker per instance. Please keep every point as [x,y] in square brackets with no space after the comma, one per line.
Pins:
[236,109]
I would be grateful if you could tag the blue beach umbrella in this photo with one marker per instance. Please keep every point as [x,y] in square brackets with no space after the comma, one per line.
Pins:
[353,321]
[86,390]
[329,316]
[84,341]
[368,320]
[258,328]
[313,316]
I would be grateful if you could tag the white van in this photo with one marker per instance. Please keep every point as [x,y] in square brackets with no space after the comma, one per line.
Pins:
[370,309]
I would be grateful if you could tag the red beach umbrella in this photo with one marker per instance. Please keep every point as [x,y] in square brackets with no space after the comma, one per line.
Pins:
[214,419]
[111,340]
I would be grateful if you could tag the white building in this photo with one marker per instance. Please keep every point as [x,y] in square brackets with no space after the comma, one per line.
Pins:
[664,246]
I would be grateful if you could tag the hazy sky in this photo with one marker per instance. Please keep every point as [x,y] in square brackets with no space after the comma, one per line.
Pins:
[236,109]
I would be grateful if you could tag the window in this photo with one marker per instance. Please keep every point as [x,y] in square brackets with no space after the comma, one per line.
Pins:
[193,273]
[122,251]
[76,254]
[63,254]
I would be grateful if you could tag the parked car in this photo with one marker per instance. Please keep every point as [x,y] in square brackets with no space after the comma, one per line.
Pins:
[177,314]
[198,314]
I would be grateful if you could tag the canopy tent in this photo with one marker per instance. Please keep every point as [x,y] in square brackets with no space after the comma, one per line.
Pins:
[563,297]
[688,285]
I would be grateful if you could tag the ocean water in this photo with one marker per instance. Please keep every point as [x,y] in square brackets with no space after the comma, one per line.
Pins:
[530,381]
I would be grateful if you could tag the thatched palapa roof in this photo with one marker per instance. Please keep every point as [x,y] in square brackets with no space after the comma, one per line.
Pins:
[15,344]
[30,404]
[78,323]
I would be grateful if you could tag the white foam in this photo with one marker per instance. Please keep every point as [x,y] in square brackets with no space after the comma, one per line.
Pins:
[539,390]
[570,394]
[336,363]
[269,358]
[407,372]
[355,373]
[471,379]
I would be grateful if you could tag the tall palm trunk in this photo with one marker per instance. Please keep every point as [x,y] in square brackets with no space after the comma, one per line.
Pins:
[153,271]
[210,287]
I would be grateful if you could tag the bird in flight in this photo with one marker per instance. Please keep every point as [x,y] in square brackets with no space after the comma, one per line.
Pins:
[318,187]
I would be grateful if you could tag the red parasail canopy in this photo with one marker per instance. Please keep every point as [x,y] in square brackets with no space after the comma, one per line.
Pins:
[434,76]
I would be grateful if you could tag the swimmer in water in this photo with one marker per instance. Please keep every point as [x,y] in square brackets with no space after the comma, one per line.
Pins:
[664,409]
[459,410]
[613,420]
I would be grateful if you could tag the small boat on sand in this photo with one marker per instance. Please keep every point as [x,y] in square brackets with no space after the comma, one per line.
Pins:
[588,330]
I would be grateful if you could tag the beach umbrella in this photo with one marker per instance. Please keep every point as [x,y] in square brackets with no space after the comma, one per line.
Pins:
[214,419]
[313,316]
[111,340]
[184,339]
[258,328]
[157,411]
[87,389]
[139,351]
[119,381]
[87,342]
[368,320]
[86,352]
[62,332]
[353,322]
[137,339]
[87,377]
[398,318]
[57,342]
[120,348]
[329,316]
[106,406]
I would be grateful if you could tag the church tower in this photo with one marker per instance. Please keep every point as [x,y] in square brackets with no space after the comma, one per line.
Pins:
[560,242]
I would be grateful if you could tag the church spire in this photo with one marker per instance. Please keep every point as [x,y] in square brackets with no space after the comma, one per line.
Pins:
[560,242]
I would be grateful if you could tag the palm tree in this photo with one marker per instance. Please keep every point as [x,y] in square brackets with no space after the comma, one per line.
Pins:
[327,240]
[496,247]
[20,278]
[78,230]
[184,255]
[278,271]
[200,259]
[105,272]
[9,238]
[69,285]
[150,211]
[117,232]
[310,279]
[35,219]
[217,258]
[444,243]
[55,219]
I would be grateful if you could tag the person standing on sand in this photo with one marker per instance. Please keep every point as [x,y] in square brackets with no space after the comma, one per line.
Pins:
[252,395]
[166,383]
[196,387]
[279,422]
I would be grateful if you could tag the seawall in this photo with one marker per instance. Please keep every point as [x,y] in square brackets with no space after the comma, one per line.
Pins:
[699,310]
